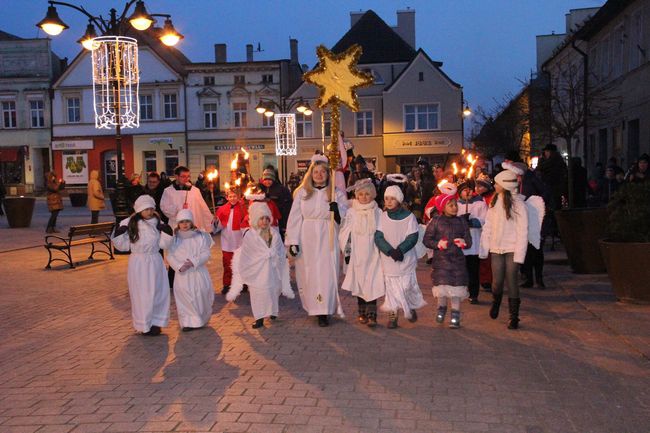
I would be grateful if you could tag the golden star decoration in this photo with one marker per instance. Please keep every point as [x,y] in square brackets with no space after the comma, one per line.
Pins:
[338,78]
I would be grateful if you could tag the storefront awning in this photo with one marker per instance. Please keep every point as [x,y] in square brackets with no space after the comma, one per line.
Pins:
[8,154]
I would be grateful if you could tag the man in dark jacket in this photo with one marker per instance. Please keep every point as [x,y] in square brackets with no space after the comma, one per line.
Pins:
[277,193]
[155,189]
[554,174]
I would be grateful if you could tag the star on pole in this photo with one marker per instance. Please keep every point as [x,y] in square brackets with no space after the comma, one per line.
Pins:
[337,77]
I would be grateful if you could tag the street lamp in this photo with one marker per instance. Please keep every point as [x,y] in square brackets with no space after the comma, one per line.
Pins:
[115,70]
[269,108]
[467,111]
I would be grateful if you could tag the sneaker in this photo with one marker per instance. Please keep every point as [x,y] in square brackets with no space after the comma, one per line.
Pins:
[440,315]
[414,316]
[454,323]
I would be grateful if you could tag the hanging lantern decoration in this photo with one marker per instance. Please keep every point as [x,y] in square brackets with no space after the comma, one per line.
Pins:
[116,78]
[285,134]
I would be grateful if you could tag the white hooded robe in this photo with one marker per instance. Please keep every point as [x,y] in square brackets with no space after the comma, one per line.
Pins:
[172,202]
[146,275]
[193,291]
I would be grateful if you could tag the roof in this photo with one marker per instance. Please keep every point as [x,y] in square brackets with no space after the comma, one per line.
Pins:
[380,43]
[171,55]
[436,65]
[4,36]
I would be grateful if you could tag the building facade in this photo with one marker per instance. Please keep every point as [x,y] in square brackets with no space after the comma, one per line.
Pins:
[27,68]
[413,110]
[222,118]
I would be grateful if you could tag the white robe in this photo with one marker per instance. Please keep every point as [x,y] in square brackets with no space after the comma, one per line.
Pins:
[193,289]
[402,289]
[265,269]
[172,201]
[146,275]
[364,276]
[317,265]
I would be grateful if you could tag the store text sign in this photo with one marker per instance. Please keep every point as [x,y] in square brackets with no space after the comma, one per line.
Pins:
[72,145]
[422,142]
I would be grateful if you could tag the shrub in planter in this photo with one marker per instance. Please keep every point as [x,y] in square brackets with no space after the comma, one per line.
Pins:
[627,247]
[580,229]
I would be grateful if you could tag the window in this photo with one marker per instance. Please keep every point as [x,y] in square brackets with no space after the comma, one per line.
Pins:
[210,116]
[239,111]
[421,117]
[268,122]
[240,80]
[364,122]
[171,161]
[149,157]
[617,53]
[74,110]
[604,59]
[635,39]
[208,81]
[146,107]
[9,114]
[171,109]
[304,128]
[327,124]
[420,76]
[36,114]
[267,78]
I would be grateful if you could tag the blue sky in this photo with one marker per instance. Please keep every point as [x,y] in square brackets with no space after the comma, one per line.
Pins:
[485,45]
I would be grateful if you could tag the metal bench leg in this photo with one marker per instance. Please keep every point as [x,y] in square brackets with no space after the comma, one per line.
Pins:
[49,261]
[92,252]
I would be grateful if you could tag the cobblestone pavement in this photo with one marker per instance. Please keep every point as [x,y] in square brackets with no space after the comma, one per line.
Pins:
[70,362]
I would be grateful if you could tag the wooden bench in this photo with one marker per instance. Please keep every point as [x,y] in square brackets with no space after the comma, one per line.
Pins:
[92,234]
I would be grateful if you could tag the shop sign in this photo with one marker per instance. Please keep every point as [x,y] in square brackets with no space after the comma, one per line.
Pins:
[236,147]
[75,167]
[422,142]
[72,145]
[161,140]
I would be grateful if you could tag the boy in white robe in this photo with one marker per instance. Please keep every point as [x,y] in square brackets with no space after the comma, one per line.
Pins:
[364,277]
[144,234]
[193,289]
[396,236]
[261,263]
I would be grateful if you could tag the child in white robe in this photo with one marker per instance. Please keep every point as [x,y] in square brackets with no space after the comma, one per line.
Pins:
[193,289]
[144,234]
[396,237]
[261,263]
[364,277]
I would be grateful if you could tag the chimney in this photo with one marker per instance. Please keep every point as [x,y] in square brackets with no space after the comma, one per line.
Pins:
[249,52]
[293,49]
[220,53]
[355,16]
[406,26]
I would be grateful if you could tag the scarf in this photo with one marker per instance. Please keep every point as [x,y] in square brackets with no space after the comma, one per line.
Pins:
[364,221]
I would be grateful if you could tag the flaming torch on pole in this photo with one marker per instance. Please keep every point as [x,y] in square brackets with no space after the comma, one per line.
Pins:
[212,176]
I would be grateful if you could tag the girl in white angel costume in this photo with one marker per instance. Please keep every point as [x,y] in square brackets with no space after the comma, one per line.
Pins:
[261,263]
[188,255]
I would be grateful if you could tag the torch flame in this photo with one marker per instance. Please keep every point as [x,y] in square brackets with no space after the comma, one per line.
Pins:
[238,182]
[470,159]
[227,185]
[233,163]
[248,191]
[469,173]
[462,151]
[442,182]
[246,154]
[213,175]
[463,170]
[453,164]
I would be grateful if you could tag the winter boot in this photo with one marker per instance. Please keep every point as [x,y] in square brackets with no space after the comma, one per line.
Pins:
[363,311]
[392,320]
[440,315]
[513,308]
[454,323]
[414,316]
[371,313]
[225,290]
[258,323]
[496,304]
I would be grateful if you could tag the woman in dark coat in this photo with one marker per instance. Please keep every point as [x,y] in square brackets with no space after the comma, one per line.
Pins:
[54,186]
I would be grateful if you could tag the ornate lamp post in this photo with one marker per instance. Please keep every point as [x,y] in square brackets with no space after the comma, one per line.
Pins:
[115,70]
[285,125]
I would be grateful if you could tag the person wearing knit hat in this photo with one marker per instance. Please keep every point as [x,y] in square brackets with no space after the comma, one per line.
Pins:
[396,237]
[144,234]
[364,277]
[261,264]
[188,256]
[312,239]
[505,239]
[278,196]
[448,235]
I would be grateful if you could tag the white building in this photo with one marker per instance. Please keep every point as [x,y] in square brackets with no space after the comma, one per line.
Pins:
[27,68]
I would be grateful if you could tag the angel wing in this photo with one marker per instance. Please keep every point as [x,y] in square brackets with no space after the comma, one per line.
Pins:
[536,209]
[420,249]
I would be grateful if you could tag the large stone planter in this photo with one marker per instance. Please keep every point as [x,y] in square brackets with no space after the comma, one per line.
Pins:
[580,230]
[78,199]
[19,211]
[628,269]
